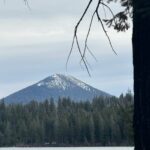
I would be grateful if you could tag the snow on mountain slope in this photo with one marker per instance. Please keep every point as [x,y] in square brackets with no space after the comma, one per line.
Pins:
[56,86]
[62,82]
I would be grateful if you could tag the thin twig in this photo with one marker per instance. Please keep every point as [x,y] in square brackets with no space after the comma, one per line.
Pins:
[109,10]
[70,51]
[104,10]
[99,19]
[88,64]
[75,38]
[76,28]
[78,45]
[92,54]
[85,45]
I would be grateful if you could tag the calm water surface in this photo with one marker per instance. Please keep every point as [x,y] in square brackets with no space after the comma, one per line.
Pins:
[71,148]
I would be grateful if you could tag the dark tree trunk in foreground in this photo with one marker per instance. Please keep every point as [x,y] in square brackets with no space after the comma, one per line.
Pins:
[141,61]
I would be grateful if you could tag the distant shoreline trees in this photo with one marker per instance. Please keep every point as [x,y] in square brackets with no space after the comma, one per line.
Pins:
[101,122]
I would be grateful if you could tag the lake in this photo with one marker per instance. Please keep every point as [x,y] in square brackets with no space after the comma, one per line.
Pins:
[70,148]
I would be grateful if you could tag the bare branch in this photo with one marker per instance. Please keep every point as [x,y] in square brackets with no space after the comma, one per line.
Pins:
[84,61]
[92,54]
[99,19]
[76,28]
[109,10]
[85,45]
[88,64]
[75,37]
[104,10]
[70,51]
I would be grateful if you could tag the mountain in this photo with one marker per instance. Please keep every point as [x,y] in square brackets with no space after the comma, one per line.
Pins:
[56,86]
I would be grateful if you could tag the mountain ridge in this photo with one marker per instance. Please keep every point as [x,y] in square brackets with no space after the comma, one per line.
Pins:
[55,86]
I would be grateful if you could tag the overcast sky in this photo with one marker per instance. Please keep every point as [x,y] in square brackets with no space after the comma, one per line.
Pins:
[35,42]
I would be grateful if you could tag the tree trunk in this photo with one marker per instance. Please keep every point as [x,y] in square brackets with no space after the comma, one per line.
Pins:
[141,62]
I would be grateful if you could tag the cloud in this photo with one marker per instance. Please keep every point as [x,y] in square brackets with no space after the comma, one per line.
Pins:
[35,43]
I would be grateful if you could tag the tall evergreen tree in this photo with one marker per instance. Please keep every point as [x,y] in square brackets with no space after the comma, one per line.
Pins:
[141,61]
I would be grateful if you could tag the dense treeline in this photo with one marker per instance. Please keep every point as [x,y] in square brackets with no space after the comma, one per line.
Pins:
[103,121]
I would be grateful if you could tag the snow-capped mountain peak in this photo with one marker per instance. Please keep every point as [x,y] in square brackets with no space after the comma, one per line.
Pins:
[55,86]
[62,82]
[53,81]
